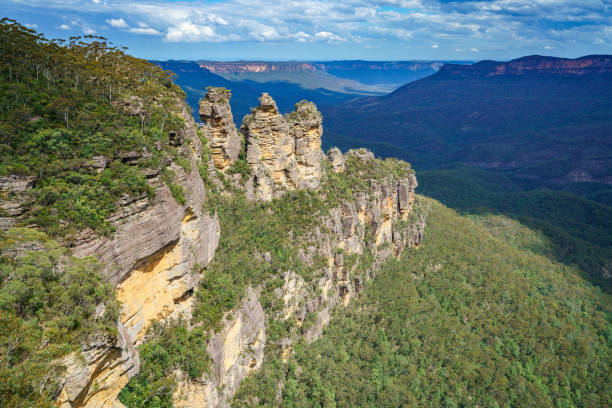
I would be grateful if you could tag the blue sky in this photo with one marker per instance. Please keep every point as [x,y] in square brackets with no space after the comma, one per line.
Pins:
[335,29]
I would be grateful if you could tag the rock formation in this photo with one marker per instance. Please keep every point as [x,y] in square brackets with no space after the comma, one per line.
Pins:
[336,159]
[219,128]
[284,153]
[13,195]
[151,259]
[379,221]
[159,247]
[306,128]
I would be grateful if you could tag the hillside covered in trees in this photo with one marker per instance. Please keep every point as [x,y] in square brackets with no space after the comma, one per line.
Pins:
[476,317]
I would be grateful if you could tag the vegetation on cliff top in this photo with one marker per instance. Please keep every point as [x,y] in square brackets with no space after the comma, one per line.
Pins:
[472,318]
[64,103]
[61,105]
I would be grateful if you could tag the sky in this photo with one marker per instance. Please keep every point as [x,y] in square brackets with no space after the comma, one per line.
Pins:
[328,30]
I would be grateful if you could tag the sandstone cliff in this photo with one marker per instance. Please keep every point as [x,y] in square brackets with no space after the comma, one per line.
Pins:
[219,128]
[154,259]
[376,223]
[284,153]
[159,247]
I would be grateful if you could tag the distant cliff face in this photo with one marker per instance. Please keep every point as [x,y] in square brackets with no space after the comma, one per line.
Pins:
[535,64]
[256,66]
[232,67]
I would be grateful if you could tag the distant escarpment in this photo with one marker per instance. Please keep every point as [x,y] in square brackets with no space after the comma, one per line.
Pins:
[533,64]
[542,121]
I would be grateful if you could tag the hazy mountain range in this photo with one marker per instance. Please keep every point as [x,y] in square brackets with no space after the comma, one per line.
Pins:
[324,83]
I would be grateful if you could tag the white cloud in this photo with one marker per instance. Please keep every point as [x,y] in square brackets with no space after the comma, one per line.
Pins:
[217,20]
[506,26]
[31,25]
[301,36]
[190,32]
[145,31]
[327,36]
[64,27]
[435,46]
[117,22]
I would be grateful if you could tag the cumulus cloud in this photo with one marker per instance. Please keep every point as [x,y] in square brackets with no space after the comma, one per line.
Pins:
[117,22]
[64,27]
[190,32]
[327,36]
[467,26]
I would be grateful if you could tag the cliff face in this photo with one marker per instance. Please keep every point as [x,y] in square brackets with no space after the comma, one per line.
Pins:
[216,113]
[159,248]
[152,259]
[284,153]
[376,224]
[534,64]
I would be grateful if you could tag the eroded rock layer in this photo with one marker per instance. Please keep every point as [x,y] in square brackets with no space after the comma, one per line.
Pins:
[154,258]
[373,226]
[219,128]
[284,153]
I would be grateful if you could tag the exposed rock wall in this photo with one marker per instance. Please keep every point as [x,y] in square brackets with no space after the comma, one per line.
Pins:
[379,221]
[306,128]
[219,128]
[159,247]
[13,195]
[284,153]
[154,258]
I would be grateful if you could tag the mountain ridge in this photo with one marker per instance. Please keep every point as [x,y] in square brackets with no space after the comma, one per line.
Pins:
[534,64]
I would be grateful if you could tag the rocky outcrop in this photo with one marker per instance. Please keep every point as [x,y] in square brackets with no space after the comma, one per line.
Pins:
[235,351]
[336,160]
[379,221]
[219,128]
[306,128]
[284,153]
[376,224]
[154,258]
[13,196]
[95,380]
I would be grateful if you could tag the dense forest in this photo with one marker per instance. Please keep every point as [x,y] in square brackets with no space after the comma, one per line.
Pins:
[64,103]
[578,228]
[474,317]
